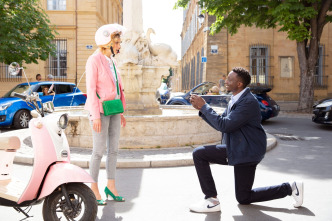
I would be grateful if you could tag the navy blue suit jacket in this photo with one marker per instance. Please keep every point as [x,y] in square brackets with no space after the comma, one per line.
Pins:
[243,133]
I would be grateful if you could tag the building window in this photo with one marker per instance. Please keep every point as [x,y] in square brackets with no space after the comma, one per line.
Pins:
[57,64]
[320,81]
[202,67]
[197,69]
[318,75]
[259,64]
[192,73]
[56,4]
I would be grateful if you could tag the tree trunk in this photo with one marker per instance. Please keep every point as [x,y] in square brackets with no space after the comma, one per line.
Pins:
[307,70]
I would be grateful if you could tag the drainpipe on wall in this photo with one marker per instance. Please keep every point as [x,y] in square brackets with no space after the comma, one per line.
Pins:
[76,41]
[227,52]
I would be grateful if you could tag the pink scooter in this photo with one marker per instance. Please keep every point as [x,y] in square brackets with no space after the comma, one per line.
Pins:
[54,180]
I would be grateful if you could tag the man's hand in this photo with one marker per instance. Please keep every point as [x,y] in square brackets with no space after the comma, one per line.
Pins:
[197,101]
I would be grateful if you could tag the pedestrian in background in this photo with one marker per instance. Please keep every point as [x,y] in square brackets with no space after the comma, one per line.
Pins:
[50,77]
[101,78]
[222,81]
[243,146]
[222,84]
[38,77]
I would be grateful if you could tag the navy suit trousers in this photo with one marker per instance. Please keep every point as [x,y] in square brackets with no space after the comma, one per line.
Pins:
[244,175]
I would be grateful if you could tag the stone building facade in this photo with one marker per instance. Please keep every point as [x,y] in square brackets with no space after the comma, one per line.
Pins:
[76,22]
[270,57]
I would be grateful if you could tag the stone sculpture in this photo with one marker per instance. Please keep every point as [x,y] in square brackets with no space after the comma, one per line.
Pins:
[139,49]
[163,53]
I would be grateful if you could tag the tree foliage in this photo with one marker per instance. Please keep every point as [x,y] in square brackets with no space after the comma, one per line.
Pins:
[302,20]
[25,33]
[291,16]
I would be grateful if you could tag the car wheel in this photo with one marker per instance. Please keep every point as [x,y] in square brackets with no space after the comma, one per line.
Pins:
[21,119]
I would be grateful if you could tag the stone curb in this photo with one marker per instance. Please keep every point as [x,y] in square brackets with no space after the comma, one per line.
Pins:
[183,160]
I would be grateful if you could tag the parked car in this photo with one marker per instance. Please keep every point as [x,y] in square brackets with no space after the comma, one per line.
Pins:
[269,108]
[202,90]
[16,112]
[323,112]
[163,93]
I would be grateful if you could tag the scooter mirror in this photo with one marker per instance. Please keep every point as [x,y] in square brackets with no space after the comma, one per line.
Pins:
[48,107]
[14,68]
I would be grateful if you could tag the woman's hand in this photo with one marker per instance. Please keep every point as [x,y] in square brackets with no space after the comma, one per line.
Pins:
[123,121]
[97,125]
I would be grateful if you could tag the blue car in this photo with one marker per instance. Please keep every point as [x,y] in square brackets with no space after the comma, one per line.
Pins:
[269,108]
[16,113]
[203,90]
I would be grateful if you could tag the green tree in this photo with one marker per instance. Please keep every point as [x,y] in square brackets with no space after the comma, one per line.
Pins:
[25,33]
[302,20]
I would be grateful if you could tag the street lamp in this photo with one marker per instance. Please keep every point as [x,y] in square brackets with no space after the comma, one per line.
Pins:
[200,18]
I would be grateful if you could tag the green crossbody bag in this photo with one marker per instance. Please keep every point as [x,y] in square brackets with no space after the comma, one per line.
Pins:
[113,107]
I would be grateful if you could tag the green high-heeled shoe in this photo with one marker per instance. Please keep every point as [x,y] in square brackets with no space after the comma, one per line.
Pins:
[116,198]
[101,203]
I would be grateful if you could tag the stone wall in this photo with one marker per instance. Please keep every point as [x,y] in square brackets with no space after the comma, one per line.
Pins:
[173,130]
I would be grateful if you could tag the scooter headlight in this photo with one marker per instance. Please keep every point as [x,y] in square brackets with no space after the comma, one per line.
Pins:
[63,121]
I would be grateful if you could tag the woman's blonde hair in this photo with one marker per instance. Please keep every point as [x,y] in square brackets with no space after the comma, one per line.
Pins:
[102,48]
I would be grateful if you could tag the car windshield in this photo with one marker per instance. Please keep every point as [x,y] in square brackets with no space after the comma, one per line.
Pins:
[203,89]
[18,89]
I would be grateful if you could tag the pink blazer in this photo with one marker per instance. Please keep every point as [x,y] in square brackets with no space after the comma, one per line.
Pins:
[99,79]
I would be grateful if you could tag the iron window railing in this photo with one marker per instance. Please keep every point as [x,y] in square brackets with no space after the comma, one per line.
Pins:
[266,82]
[320,82]
[259,64]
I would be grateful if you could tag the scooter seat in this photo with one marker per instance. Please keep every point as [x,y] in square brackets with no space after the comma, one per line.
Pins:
[10,143]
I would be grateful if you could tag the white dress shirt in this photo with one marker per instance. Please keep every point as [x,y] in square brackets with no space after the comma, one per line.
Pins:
[234,98]
[110,61]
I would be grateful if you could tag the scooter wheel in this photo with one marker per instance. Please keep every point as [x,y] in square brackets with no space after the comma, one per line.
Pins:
[83,202]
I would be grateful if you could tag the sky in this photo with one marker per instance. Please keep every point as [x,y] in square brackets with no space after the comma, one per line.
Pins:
[166,22]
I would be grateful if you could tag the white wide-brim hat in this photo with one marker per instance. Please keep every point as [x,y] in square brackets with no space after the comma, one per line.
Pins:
[103,34]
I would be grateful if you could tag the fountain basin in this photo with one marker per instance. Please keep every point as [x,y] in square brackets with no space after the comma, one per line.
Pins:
[177,126]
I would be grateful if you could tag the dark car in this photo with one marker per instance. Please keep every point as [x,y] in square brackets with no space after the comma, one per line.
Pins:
[269,108]
[323,112]
[16,112]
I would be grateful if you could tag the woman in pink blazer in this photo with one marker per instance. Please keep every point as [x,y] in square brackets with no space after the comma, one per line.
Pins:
[101,75]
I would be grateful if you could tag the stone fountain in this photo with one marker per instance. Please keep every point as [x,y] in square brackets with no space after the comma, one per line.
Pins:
[142,64]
